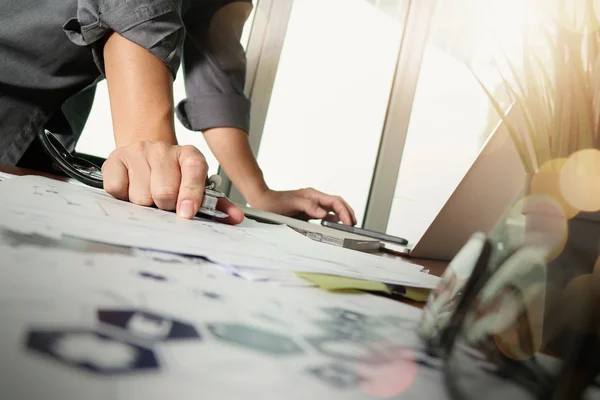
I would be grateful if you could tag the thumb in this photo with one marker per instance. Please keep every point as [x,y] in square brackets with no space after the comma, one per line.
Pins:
[309,207]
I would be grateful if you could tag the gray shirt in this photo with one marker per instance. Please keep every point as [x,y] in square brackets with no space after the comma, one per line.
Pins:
[51,59]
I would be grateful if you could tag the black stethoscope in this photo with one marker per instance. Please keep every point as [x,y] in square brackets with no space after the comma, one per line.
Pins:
[76,167]
[90,174]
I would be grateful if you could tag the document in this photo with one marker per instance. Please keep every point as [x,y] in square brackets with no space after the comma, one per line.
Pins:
[33,204]
[125,327]
[4,176]
[334,282]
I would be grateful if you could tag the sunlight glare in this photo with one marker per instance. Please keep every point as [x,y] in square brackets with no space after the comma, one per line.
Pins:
[575,14]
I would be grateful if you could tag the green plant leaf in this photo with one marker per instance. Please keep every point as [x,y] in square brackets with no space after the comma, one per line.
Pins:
[559,100]
[523,100]
[550,89]
[583,104]
[547,92]
[520,101]
[563,93]
[521,149]
[537,108]
[595,90]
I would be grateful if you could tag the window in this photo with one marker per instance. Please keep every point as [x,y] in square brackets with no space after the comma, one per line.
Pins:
[97,137]
[330,96]
[452,116]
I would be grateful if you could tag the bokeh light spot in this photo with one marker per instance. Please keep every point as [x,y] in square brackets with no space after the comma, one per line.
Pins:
[546,181]
[580,180]
[391,378]
[578,303]
[596,278]
[545,223]
[596,290]
[519,321]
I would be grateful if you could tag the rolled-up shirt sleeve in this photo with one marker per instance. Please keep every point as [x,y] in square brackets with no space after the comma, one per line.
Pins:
[155,25]
[214,64]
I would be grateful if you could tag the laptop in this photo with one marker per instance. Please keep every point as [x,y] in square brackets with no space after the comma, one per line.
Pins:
[490,186]
[492,183]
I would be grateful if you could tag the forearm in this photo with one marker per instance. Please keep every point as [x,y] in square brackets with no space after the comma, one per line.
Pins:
[140,87]
[231,147]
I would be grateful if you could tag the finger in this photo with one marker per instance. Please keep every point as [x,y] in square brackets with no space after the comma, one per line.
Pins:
[165,176]
[116,180]
[352,214]
[350,210]
[236,215]
[332,218]
[138,169]
[337,205]
[302,216]
[310,207]
[193,181]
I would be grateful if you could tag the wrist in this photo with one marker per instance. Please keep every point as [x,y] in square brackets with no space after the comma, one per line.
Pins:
[156,132]
[254,191]
[232,149]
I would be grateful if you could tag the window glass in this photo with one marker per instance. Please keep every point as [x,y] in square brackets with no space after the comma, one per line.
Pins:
[330,96]
[451,115]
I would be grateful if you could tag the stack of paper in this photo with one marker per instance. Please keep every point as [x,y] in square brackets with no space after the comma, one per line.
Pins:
[39,205]
[133,327]
[4,176]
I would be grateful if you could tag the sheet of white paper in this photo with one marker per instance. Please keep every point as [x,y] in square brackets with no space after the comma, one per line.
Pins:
[89,323]
[369,270]
[278,277]
[4,176]
[39,205]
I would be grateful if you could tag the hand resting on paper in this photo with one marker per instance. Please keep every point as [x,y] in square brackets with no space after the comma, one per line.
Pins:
[169,176]
[149,168]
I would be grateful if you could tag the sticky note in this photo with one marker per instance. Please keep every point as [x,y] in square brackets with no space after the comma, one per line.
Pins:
[335,282]
[416,294]
[339,283]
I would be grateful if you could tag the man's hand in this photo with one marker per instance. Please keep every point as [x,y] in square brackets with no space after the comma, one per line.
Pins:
[306,203]
[169,176]
[148,168]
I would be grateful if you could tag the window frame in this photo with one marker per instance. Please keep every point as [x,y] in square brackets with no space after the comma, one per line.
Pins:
[400,103]
[266,41]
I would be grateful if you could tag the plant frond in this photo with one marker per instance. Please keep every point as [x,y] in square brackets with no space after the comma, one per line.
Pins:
[519,144]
